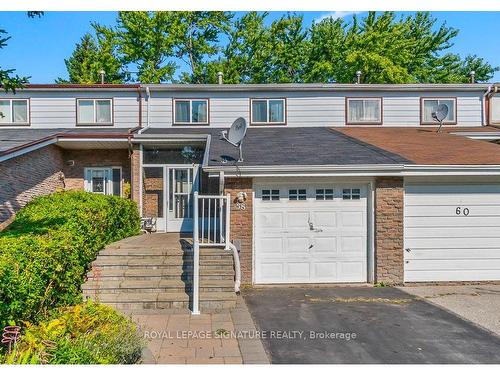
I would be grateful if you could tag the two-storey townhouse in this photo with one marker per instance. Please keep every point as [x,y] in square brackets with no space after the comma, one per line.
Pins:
[339,182]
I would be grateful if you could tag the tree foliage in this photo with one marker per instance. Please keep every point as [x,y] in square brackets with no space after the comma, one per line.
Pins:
[193,46]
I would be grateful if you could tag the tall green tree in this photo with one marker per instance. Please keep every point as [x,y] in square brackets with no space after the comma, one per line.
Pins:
[93,55]
[389,50]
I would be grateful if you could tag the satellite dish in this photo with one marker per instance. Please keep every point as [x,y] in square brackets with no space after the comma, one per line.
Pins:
[235,135]
[440,114]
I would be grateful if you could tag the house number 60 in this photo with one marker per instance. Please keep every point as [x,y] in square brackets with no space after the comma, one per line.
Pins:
[464,211]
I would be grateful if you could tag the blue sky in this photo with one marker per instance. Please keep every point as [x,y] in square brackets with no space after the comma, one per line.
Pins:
[39,46]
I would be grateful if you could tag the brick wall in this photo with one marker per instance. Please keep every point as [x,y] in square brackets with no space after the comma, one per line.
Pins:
[242,224]
[389,199]
[74,175]
[28,176]
[135,173]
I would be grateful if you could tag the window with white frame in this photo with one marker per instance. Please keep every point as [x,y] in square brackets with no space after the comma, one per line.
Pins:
[351,194]
[324,194]
[429,105]
[364,110]
[191,111]
[14,111]
[94,111]
[297,194]
[268,111]
[106,181]
[270,195]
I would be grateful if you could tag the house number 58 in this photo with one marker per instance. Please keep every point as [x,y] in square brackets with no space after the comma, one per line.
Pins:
[462,211]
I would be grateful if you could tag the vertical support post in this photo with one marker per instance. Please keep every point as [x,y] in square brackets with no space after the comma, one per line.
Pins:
[196,258]
[228,220]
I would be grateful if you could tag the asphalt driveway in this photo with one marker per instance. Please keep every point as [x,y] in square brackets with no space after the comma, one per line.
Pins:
[364,325]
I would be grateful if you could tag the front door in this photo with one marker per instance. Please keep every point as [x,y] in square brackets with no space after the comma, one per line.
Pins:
[182,182]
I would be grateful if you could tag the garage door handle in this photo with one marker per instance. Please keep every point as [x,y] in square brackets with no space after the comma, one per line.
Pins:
[408,250]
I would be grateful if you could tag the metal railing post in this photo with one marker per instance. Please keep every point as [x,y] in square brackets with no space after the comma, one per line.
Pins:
[196,258]
[228,221]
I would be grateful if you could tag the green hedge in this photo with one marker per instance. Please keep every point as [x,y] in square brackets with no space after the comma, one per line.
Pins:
[47,250]
[89,333]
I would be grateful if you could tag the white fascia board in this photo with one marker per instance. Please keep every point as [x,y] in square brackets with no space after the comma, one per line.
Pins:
[479,135]
[28,149]
[357,170]
[64,139]
[139,138]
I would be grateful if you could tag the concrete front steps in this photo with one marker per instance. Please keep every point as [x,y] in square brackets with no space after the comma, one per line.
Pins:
[148,273]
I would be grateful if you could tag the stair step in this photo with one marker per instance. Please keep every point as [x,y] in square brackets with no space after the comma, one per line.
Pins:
[142,251]
[147,273]
[154,285]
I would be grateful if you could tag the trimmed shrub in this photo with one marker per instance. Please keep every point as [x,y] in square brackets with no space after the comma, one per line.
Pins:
[47,250]
[89,333]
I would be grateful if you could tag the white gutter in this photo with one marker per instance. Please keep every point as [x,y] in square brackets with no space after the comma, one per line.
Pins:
[356,170]
[148,96]
[485,96]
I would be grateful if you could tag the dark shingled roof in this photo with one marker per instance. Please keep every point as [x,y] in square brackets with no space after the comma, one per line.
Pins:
[291,146]
[15,138]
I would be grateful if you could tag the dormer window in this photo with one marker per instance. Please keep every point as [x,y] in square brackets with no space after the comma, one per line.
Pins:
[94,111]
[14,112]
[268,111]
[364,111]
[429,105]
[190,111]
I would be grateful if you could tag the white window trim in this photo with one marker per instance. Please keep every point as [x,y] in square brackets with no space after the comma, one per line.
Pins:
[350,121]
[12,122]
[109,185]
[190,122]
[267,122]
[95,111]
[423,121]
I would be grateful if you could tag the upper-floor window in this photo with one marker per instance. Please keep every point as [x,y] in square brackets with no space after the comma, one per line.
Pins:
[191,111]
[268,111]
[14,111]
[94,111]
[364,111]
[429,105]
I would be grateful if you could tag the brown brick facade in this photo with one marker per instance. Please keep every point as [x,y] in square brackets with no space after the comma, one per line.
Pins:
[74,174]
[28,176]
[242,224]
[389,257]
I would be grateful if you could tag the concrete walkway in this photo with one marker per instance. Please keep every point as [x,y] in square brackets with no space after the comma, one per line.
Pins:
[177,337]
[479,304]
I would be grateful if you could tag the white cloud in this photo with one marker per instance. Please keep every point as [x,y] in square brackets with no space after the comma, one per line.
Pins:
[335,15]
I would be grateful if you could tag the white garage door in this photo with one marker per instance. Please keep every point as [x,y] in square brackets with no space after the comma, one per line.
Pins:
[310,234]
[452,232]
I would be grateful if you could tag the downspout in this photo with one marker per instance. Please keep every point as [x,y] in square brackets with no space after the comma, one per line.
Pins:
[148,96]
[489,90]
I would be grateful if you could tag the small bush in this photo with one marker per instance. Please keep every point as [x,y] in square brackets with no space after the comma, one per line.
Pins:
[89,333]
[47,250]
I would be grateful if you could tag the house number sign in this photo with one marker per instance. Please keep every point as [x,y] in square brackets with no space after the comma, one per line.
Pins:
[462,211]
[241,206]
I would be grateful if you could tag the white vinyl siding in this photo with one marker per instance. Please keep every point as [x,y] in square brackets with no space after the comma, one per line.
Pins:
[14,111]
[452,232]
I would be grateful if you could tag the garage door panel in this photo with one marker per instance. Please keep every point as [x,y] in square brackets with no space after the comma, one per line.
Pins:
[324,219]
[297,246]
[452,275]
[297,219]
[271,247]
[457,242]
[270,220]
[445,244]
[456,221]
[453,232]
[436,253]
[451,210]
[325,245]
[353,219]
[322,240]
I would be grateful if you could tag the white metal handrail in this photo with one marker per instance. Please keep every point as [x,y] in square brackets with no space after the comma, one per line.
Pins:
[211,227]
